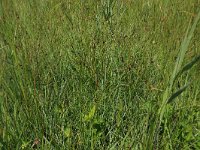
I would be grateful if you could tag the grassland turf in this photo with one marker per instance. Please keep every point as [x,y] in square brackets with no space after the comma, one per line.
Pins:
[104,74]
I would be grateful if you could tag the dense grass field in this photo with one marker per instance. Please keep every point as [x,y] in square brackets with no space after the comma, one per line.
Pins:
[100,74]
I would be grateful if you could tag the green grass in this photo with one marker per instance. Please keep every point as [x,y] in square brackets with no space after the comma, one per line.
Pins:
[104,74]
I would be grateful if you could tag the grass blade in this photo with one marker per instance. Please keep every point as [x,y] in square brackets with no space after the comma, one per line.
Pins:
[183,49]
[177,93]
[188,66]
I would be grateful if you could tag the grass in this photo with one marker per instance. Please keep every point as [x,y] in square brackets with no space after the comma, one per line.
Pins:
[103,74]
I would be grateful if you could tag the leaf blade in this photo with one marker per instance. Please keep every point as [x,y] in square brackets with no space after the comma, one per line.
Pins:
[177,93]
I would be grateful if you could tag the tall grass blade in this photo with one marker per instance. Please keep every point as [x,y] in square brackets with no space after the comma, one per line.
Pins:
[188,66]
[183,50]
[179,62]
[177,93]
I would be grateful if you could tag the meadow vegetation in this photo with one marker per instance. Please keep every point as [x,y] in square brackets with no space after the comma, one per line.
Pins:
[100,74]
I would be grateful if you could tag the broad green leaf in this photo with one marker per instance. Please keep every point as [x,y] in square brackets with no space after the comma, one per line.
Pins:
[91,114]
[25,144]
[67,132]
